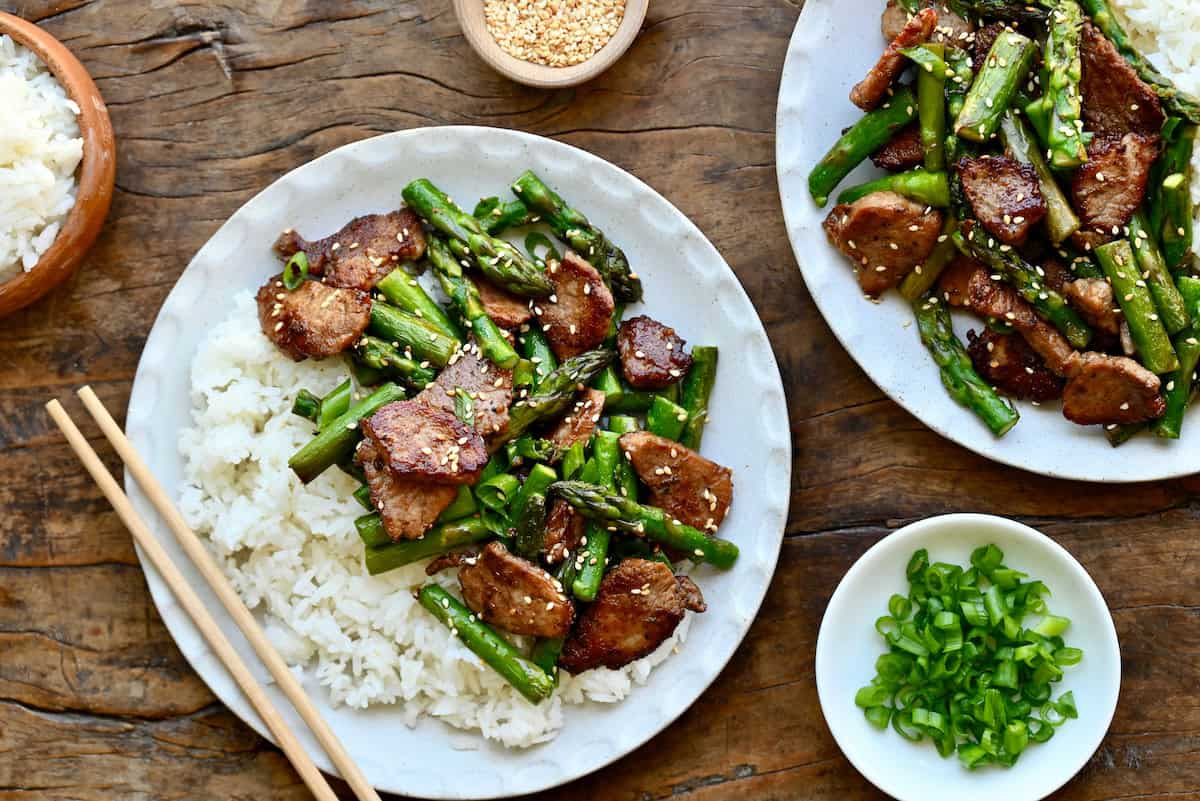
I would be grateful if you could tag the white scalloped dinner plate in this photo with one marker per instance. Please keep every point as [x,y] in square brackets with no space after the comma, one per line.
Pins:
[687,284]
[834,44]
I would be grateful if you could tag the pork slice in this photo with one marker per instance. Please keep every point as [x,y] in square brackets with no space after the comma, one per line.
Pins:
[1005,195]
[489,386]
[564,531]
[951,28]
[421,442]
[1115,100]
[904,151]
[886,235]
[1007,362]
[652,354]
[871,91]
[1093,297]
[580,421]
[1111,390]
[692,489]
[312,320]
[506,309]
[1111,185]
[638,606]
[363,252]
[407,508]
[578,313]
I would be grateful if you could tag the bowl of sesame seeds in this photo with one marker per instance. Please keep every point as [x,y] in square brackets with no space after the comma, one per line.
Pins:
[550,44]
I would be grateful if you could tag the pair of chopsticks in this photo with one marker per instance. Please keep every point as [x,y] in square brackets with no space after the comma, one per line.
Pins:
[192,604]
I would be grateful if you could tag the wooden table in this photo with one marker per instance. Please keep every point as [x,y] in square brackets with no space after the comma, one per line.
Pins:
[211,101]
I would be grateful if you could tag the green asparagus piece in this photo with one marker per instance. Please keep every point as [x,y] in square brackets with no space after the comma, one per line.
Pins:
[1137,307]
[958,81]
[545,653]
[496,216]
[462,506]
[627,514]
[499,260]
[1179,387]
[1039,112]
[572,460]
[586,239]
[532,448]
[498,491]
[1002,72]
[633,401]
[1084,267]
[465,295]
[1172,199]
[592,557]
[1119,434]
[697,388]
[930,188]
[335,404]
[931,109]
[873,131]
[557,390]
[1025,279]
[529,679]
[925,275]
[666,418]
[1064,67]
[402,289]
[337,442]
[1061,219]
[625,477]
[536,483]
[1020,11]
[530,540]
[1189,288]
[365,376]
[306,405]
[1171,307]
[958,374]
[609,382]
[363,496]
[536,348]
[371,531]
[1176,102]
[440,539]
[381,356]
[407,332]
[524,375]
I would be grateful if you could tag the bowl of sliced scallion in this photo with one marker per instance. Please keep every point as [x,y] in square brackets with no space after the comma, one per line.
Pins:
[969,653]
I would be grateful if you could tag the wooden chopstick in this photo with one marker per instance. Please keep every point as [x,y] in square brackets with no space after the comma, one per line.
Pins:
[192,604]
[229,598]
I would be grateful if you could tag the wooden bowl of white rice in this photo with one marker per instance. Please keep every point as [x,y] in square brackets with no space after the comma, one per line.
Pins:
[57,163]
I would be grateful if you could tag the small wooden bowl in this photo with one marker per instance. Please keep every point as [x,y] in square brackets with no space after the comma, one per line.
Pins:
[96,172]
[470,17]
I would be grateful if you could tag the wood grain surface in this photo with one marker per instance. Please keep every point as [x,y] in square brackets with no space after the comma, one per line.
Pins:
[213,100]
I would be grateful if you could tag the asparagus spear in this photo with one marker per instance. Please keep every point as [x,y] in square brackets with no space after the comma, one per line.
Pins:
[530,539]
[1189,287]
[1171,308]
[990,95]
[1179,387]
[381,356]
[463,292]
[337,442]
[958,80]
[411,333]
[556,392]
[1019,11]
[1024,278]
[1061,220]
[1137,307]
[627,514]
[536,348]
[1177,102]
[925,275]
[586,239]
[1172,212]
[697,387]
[306,405]
[958,374]
[402,289]
[363,496]
[1118,434]
[456,527]
[869,134]
[591,558]
[1064,67]
[500,261]
[930,188]
[335,404]
[529,679]
[666,418]
[931,109]
[496,216]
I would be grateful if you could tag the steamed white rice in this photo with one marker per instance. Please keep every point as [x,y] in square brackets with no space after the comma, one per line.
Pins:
[1168,33]
[39,151]
[292,552]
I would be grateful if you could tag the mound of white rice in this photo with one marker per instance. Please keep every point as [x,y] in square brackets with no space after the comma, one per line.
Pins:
[39,151]
[292,552]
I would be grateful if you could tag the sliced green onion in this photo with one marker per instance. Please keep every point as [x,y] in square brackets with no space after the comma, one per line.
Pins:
[295,271]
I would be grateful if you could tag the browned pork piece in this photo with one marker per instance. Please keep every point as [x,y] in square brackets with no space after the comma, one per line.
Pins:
[951,28]
[652,355]
[886,235]
[580,420]
[985,37]
[903,151]
[564,531]
[506,309]
[1093,298]
[1007,362]
[1005,195]
[1108,390]
[418,441]
[576,316]
[363,252]
[639,604]
[1115,100]
[690,488]
[407,508]
[1110,186]
[871,91]
[312,320]
[489,386]
[509,592]
[966,283]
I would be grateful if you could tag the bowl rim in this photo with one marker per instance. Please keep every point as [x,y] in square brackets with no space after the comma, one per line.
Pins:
[96,174]
[908,537]
[471,20]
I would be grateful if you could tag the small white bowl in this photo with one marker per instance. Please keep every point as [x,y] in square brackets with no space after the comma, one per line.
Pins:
[847,647]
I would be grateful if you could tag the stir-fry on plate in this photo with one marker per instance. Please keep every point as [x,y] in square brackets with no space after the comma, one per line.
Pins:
[473,464]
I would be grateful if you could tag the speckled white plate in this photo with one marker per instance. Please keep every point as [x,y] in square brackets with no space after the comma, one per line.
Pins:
[687,284]
[834,44]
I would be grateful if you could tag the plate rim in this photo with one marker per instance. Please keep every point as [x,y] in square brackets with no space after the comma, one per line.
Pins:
[770,523]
